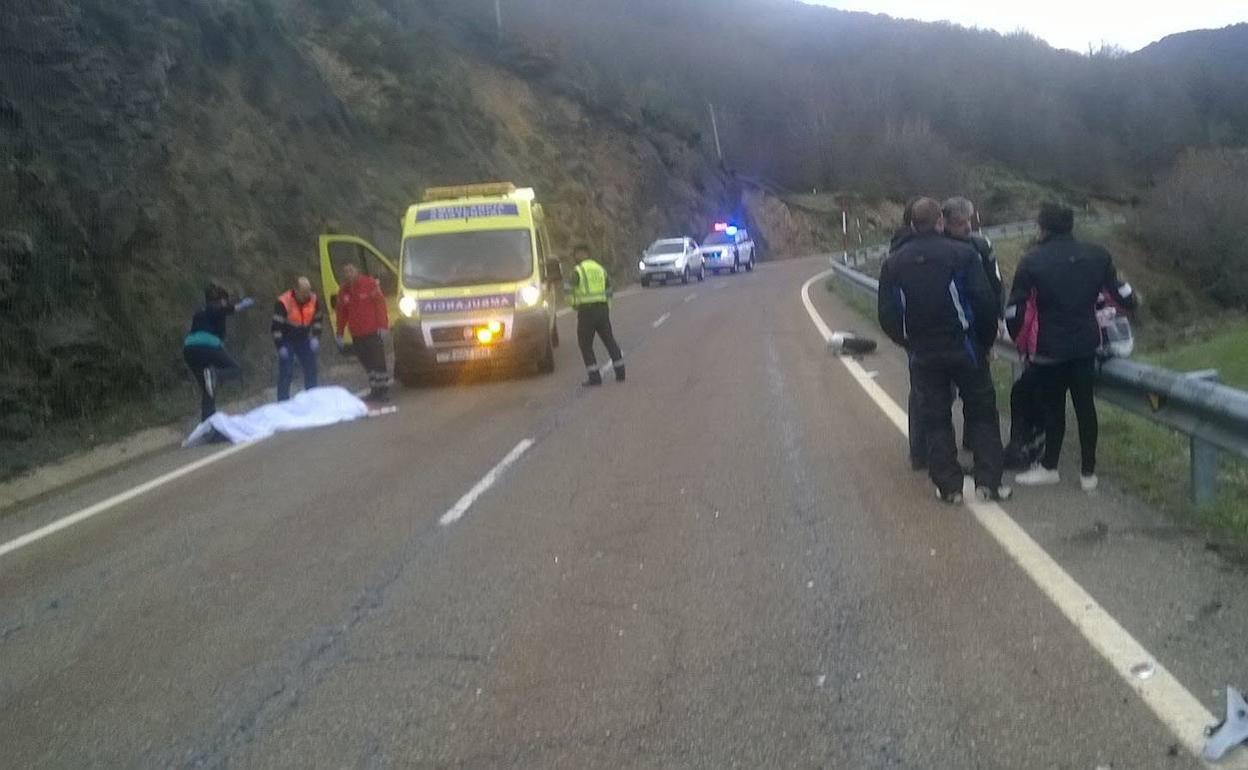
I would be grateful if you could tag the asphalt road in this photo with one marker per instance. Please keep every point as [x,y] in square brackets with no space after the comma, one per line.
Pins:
[724,562]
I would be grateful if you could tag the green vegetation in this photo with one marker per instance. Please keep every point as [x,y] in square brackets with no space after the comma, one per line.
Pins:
[217,139]
[1226,351]
[883,107]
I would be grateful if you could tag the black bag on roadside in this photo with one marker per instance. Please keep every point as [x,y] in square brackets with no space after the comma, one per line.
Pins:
[1026,422]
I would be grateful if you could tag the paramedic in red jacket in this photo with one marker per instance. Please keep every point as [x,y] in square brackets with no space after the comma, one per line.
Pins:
[362,311]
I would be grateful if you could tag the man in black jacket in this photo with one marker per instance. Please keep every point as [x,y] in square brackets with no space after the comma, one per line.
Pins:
[918,444]
[935,301]
[1065,277]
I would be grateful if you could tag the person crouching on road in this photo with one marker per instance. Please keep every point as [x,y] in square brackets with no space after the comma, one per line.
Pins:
[935,301]
[590,294]
[297,318]
[204,347]
[362,311]
[1064,278]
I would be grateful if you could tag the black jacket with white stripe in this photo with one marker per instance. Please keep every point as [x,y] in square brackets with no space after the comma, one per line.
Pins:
[1066,277]
[935,298]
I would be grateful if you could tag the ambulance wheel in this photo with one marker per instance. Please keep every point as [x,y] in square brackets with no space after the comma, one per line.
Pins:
[749,266]
[736,266]
[547,363]
[701,274]
[684,277]
[645,283]
[409,379]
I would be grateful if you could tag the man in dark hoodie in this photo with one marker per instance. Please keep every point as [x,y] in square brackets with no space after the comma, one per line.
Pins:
[935,301]
[1063,278]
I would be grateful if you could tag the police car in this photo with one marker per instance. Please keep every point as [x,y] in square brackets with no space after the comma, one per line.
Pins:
[671,258]
[728,247]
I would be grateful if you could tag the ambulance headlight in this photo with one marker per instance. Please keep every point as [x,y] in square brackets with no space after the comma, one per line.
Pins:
[641,265]
[407,306]
[529,296]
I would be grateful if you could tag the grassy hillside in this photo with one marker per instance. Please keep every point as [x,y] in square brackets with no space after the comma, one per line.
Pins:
[152,145]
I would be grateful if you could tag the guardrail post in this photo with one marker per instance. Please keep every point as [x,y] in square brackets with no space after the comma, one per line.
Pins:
[1204,472]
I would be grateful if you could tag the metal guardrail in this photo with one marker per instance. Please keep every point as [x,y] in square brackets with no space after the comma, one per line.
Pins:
[856,257]
[1213,416]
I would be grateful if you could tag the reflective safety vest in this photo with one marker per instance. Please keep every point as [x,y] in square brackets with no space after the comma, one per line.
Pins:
[298,315]
[591,285]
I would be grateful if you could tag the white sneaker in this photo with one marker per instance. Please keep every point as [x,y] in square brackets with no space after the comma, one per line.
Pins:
[1038,476]
[988,495]
[1089,483]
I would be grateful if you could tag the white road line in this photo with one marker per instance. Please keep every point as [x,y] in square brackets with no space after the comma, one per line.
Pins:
[116,500]
[482,486]
[1168,699]
[691,297]
[662,320]
[130,494]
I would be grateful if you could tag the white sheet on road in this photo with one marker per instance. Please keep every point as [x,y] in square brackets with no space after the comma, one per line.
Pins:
[310,409]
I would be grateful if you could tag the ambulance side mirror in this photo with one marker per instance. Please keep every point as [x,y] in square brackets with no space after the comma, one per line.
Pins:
[554,271]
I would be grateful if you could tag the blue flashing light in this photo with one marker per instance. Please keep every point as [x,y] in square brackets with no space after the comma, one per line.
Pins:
[731,229]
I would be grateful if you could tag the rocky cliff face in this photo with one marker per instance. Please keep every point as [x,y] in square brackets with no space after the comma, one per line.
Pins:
[149,145]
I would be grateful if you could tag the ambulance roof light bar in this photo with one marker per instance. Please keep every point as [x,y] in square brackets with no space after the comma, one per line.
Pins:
[488,190]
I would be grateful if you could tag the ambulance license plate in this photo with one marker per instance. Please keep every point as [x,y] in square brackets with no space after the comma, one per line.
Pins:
[464,354]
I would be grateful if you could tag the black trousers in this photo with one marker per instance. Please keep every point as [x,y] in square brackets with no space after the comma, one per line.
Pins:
[371,352]
[934,375]
[208,366]
[594,320]
[918,441]
[1078,377]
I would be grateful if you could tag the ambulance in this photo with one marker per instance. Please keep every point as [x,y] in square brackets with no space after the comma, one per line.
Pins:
[475,283]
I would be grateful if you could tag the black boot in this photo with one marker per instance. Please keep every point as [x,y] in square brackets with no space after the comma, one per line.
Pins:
[619,372]
[595,378]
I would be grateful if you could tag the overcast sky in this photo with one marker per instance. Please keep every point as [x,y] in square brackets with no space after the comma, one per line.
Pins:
[1072,24]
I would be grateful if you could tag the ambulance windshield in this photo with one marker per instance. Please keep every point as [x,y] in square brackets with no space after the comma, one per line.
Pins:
[467,259]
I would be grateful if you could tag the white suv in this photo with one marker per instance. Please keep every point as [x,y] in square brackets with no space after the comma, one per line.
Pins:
[728,248]
[671,258]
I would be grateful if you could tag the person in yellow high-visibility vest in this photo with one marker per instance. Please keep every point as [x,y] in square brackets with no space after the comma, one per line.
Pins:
[589,293]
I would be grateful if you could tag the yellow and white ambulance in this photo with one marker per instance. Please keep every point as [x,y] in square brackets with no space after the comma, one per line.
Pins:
[476,282]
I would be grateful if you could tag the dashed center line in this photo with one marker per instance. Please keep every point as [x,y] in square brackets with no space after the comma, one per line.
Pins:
[661,320]
[488,480]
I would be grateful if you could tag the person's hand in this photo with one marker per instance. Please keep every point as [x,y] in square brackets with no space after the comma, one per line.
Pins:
[315,344]
[244,303]
[283,353]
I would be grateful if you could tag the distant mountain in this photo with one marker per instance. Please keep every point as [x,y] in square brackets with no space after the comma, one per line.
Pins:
[1224,49]
[817,97]
[1212,67]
